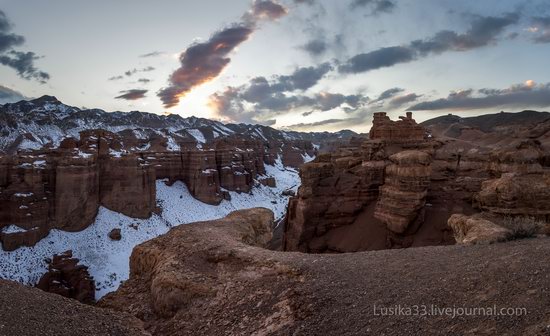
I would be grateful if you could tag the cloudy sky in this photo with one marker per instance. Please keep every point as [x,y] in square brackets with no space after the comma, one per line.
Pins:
[300,64]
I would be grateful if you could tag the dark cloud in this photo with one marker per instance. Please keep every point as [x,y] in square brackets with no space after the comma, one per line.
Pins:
[541,29]
[8,95]
[21,62]
[384,57]
[376,6]
[306,2]
[133,94]
[399,101]
[132,72]
[276,94]
[483,31]
[389,93]
[144,80]
[202,62]
[305,77]
[522,96]
[316,124]
[153,54]
[7,39]
[361,117]
[316,47]
[266,9]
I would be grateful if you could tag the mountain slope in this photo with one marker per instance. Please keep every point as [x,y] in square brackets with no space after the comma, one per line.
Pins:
[46,121]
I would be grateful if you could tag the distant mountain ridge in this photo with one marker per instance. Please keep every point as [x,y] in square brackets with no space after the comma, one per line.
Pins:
[487,122]
[45,121]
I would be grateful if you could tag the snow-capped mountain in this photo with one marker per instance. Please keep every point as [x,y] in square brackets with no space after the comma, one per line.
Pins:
[45,122]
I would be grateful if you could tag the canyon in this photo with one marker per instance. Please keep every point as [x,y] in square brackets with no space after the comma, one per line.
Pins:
[400,187]
[94,214]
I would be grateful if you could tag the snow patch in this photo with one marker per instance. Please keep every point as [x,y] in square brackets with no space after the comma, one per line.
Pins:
[197,134]
[12,229]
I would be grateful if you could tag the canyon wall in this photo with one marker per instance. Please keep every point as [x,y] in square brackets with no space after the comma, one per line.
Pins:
[63,188]
[399,188]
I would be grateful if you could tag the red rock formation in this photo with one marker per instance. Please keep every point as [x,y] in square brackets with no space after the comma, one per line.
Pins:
[403,195]
[63,188]
[404,130]
[268,181]
[335,193]
[516,195]
[423,182]
[369,197]
[209,269]
[66,278]
[127,186]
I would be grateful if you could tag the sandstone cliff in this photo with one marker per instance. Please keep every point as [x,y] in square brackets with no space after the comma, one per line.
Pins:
[63,188]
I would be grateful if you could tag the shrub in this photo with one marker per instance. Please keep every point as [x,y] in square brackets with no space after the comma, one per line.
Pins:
[523,226]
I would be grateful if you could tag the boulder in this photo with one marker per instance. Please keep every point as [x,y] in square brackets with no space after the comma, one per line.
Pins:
[477,230]
[115,234]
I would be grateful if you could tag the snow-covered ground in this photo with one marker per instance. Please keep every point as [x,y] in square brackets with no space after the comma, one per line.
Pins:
[108,260]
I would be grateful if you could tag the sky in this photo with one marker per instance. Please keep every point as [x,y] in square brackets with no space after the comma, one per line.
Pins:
[307,65]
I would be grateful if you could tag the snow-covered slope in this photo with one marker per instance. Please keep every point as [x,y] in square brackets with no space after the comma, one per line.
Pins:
[108,260]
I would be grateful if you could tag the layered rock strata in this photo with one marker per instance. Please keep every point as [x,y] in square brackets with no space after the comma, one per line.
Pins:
[63,188]
[400,187]
[403,195]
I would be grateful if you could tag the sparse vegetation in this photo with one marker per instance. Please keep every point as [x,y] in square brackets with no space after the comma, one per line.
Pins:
[523,226]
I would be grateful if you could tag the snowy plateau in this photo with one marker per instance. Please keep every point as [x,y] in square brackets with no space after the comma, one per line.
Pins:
[108,260]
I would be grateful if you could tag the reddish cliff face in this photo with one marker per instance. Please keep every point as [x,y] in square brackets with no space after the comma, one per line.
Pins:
[403,195]
[63,188]
[400,188]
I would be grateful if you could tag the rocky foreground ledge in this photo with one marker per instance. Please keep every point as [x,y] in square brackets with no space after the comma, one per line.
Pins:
[29,312]
[216,278]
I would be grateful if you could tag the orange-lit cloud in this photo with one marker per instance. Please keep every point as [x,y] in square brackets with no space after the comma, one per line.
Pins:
[203,62]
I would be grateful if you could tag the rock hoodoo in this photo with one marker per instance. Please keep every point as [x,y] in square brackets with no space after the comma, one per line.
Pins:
[403,130]
[403,195]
